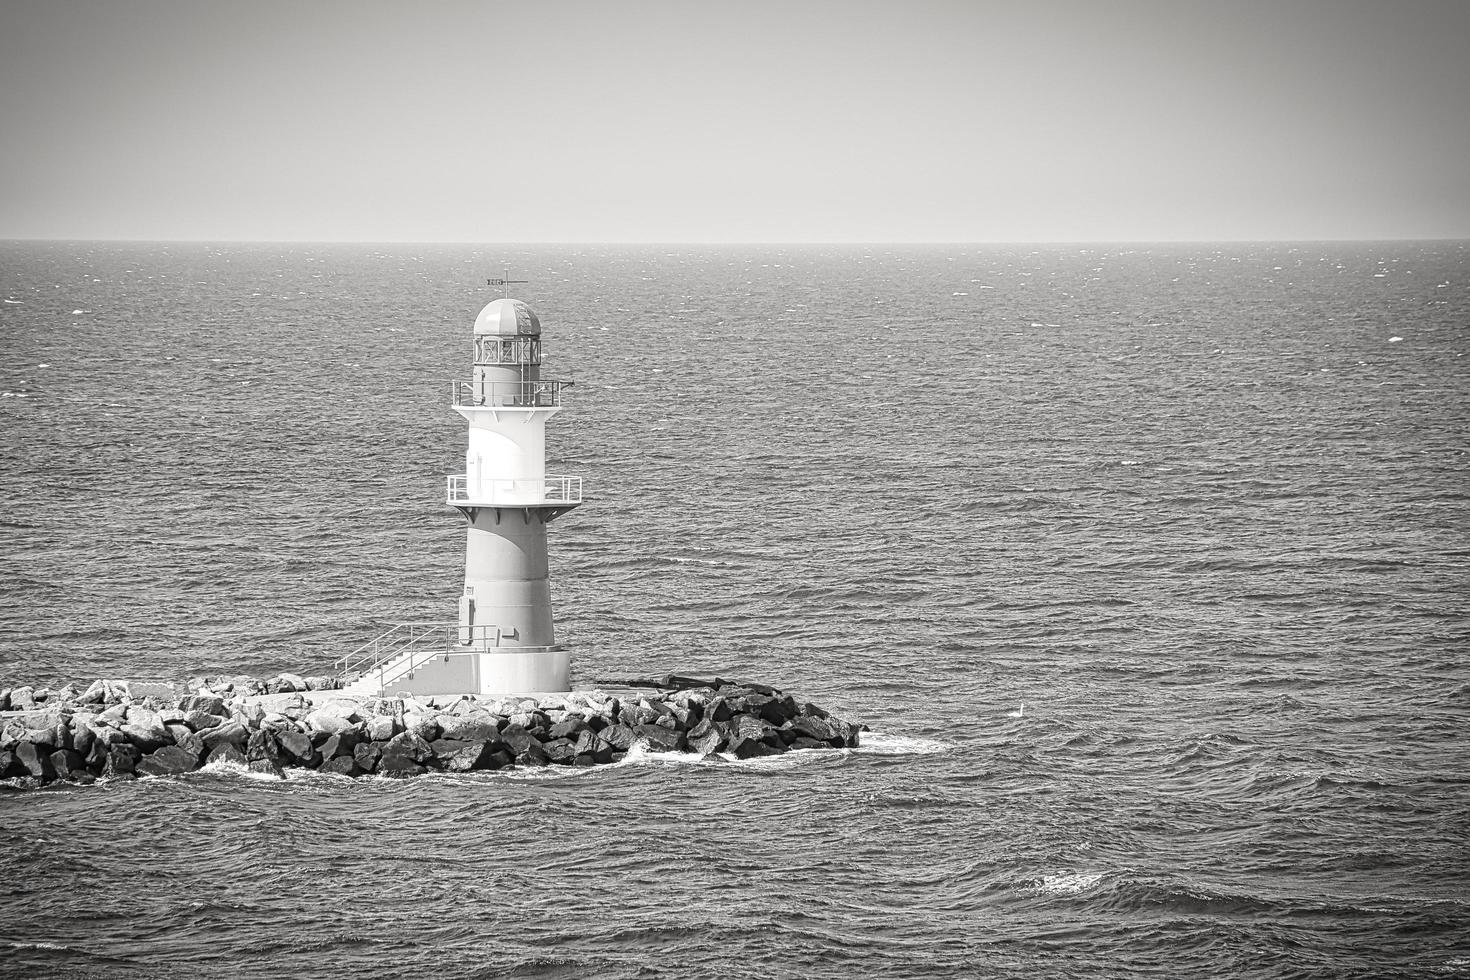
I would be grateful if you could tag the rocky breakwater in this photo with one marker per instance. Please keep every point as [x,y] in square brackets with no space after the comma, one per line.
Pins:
[112,731]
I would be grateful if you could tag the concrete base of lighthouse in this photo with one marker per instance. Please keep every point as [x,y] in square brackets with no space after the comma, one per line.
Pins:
[462,670]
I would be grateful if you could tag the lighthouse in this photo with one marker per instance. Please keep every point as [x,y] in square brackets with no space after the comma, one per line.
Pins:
[504,640]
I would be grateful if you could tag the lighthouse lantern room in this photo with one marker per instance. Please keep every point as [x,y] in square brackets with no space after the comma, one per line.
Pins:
[504,641]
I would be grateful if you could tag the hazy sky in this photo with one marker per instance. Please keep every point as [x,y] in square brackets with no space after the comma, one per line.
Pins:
[734,121]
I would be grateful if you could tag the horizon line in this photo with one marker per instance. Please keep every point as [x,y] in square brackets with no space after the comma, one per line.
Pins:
[756,242]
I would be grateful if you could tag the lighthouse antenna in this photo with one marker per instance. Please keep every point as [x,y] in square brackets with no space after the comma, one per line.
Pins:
[505,282]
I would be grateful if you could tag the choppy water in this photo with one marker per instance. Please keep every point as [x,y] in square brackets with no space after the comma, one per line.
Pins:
[1202,509]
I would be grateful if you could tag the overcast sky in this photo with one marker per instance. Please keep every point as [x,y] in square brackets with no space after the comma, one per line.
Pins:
[714,121]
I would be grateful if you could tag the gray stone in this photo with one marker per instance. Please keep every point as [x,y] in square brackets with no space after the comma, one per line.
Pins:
[479,727]
[381,728]
[298,749]
[343,765]
[122,759]
[230,732]
[561,750]
[22,698]
[620,737]
[410,746]
[660,739]
[37,761]
[461,756]
[171,760]
[366,756]
[338,745]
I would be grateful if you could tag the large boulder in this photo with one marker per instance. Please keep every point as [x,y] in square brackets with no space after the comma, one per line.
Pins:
[122,759]
[145,729]
[469,727]
[208,704]
[338,745]
[366,755]
[171,760]
[298,749]
[37,760]
[517,739]
[456,755]
[342,765]
[422,726]
[660,739]
[619,736]
[561,750]
[411,746]
[231,732]
[381,728]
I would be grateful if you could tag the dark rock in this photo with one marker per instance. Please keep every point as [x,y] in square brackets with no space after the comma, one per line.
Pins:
[69,764]
[299,750]
[593,745]
[366,755]
[777,711]
[816,729]
[344,765]
[561,750]
[718,710]
[660,739]
[226,752]
[569,728]
[518,739]
[337,745]
[184,736]
[262,746]
[620,737]
[398,760]
[802,742]
[750,748]
[122,759]
[499,759]
[409,746]
[231,732]
[707,742]
[37,760]
[10,766]
[534,755]
[171,760]
[584,760]
[456,755]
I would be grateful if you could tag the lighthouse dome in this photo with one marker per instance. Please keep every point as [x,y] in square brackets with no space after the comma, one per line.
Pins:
[507,318]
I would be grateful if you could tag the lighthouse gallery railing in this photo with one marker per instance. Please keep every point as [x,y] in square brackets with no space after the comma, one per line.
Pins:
[515,493]
[508,394]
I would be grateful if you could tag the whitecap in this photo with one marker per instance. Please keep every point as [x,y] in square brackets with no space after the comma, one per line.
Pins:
[884,743]
[1394,340]
[1071,883]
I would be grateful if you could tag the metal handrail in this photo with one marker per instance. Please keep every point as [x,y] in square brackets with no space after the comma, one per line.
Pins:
[553,489]
[420,642]
[508,394]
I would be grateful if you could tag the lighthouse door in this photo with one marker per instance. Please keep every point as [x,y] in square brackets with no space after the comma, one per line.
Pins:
[466,620]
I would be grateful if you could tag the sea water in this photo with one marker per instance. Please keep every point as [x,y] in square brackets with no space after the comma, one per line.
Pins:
[1147,566]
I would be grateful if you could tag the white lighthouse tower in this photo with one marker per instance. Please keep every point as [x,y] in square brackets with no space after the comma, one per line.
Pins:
[504,641]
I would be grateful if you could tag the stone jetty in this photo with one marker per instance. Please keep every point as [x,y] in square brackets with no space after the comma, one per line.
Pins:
[122,730]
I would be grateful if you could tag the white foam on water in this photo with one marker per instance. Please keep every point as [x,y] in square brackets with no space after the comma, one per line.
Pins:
[884,743]
[1071,883]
